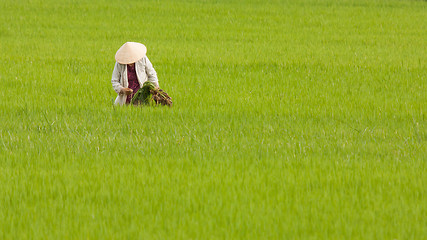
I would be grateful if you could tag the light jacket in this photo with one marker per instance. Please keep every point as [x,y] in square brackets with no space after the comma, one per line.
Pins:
[144,72]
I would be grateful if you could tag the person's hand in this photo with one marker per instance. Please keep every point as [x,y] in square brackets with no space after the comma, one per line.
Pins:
[126,91]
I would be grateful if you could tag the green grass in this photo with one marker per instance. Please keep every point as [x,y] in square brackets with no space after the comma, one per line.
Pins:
[291,120]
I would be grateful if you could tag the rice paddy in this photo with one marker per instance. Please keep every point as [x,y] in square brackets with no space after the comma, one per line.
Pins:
[290,120]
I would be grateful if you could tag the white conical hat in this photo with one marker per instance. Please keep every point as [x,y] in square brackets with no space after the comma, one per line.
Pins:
[130,52]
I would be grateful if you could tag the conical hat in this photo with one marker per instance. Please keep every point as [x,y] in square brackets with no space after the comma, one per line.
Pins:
[130,52]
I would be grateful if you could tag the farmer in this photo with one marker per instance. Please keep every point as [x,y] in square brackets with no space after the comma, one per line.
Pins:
[131,70]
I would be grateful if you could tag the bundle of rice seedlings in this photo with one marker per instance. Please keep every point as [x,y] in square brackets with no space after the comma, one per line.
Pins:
[150,95]
[161,97]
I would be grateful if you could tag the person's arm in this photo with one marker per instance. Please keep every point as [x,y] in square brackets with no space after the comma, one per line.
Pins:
[115,81]
[151,73]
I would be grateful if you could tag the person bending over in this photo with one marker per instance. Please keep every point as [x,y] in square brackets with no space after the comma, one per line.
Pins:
[131,70]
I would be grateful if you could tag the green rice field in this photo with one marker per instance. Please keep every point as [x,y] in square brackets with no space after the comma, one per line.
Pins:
[292,119]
